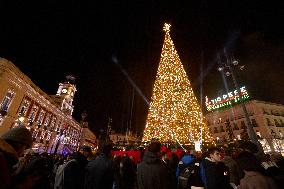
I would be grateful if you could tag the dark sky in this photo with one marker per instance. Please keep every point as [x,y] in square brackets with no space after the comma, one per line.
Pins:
[50,39]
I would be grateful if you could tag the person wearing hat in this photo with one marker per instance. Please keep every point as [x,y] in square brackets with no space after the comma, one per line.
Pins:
[13,143]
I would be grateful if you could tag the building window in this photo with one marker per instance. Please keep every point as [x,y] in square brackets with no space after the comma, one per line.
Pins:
[239,137]
[236,126]
[33,113]
[281,123]
[47,120]
[254,123]
[266,112]
[243,125]
[52,124]
[40,117]
[275,112]
[268,122]
[6,102]
[24,107]
[58,126]
[258,134]
[276,123]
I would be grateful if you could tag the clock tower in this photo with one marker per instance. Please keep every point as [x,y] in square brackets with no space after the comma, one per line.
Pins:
[65,95]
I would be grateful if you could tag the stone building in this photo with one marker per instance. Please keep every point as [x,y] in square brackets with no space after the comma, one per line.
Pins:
[267,120]
[88,138]
[49,118]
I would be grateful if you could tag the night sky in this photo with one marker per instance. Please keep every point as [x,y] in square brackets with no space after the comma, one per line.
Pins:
[48,40]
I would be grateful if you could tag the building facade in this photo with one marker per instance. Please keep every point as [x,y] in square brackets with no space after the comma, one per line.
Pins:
[267,120]
[88,138]
[123,139]
[49,118]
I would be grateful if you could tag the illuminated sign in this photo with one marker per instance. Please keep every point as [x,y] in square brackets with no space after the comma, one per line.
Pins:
[226,99]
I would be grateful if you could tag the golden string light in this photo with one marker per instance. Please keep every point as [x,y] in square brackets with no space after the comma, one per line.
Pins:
[174,113]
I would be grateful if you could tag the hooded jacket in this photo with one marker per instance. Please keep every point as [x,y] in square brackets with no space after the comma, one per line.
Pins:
[8,158]
[152,173]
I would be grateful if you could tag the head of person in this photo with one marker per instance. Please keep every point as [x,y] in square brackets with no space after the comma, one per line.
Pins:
[19,138]
[214,154]
[248,162]
[154,147]
[86,151]
[80,158]
[105,148]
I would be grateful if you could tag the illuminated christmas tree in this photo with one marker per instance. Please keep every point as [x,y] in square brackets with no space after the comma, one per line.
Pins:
[174,114]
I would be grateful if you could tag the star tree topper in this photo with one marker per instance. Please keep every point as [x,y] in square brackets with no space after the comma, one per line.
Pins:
[166,27]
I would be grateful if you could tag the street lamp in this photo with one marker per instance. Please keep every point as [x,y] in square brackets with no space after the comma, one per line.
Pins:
[226,66]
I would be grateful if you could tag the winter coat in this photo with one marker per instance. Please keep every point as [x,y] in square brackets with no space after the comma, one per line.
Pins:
[8,158]
[99,173]
[217,175]
[73,175]
[254,180]
[235,172]
[152,173]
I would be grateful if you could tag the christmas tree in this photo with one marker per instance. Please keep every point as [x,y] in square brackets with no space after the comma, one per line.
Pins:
[174,114]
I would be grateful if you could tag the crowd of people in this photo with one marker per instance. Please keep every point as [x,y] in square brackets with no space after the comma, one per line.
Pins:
[21,168]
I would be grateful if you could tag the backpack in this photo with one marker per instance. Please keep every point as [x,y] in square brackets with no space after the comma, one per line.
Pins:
[59,176]
[190,177]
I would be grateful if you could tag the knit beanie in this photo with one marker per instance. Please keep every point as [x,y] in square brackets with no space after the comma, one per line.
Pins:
[20,135]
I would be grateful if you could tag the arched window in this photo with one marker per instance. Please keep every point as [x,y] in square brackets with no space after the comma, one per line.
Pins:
[6,102]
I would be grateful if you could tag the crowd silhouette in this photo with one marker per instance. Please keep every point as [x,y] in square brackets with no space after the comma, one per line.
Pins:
[222,168]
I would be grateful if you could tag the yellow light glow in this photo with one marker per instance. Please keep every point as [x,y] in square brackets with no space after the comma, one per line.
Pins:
[21,119]
[174,114]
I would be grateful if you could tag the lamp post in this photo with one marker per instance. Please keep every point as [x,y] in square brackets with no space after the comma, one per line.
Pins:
[226,66]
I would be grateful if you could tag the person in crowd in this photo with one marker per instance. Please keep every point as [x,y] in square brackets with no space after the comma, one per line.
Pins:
[272,170]
[235,172]
[279,160]
[215,175]
[173,165]
[185,161]
[116,167]
[23,161]
[13,143]
[188,172]
[87,152]
[152,173]
[100,172]
[74,170]
[252,169]
[251,147]
[127,174]
[35,174]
